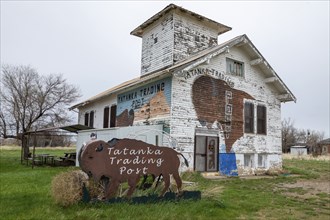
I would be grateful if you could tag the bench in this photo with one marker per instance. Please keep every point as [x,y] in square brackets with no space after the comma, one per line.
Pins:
[34,161]
[65,161]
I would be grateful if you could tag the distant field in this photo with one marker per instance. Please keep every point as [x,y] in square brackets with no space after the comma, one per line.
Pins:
[306,157]
[37,148]
[301,192]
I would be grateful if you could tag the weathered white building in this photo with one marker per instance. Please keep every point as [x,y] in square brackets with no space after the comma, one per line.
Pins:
[218,103]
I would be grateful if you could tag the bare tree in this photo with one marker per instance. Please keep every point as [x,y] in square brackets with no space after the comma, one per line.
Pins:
[7,120]
[30,100]
[288,135]
[3,125]
[293,136]
[310,138]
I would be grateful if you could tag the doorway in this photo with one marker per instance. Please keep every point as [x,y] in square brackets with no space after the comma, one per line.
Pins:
[206,153]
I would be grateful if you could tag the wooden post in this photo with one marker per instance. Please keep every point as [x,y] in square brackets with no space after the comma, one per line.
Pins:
[34,147]
[22,150]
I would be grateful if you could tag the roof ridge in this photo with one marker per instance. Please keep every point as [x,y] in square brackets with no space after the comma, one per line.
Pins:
[185,62]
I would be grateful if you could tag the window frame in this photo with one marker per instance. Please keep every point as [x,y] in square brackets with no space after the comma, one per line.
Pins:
[91,119]
[261,118]
[262,158]
[249,160]
[113,116]
[232,67]
[106,117]
[249,118]
[86,118]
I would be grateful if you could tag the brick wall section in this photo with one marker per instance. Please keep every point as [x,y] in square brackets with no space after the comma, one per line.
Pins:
[209,100]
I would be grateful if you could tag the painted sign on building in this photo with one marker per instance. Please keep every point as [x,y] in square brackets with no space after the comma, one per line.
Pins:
[215,101]
[149,101]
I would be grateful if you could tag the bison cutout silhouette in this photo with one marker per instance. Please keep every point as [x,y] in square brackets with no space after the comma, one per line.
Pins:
[123,160]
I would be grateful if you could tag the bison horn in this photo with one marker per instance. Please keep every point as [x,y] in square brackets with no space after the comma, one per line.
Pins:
[99,148]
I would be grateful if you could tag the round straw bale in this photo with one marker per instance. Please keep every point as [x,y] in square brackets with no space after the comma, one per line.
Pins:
[67,187]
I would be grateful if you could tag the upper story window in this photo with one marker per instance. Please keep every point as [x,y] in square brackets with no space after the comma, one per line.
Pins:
[89,119]
[113,113]
[106,114]
[235,67]
[86,119]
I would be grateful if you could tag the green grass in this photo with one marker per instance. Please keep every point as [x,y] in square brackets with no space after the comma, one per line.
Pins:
[25,193]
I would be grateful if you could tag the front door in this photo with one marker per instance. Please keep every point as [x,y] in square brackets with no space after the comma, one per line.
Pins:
[206,153]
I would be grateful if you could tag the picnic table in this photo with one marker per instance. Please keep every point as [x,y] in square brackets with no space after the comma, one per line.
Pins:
[71,155]
[69,159]
[46,158]
[40,159]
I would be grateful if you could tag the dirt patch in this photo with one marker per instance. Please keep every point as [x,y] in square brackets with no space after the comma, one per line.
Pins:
[306,189]
[248,177]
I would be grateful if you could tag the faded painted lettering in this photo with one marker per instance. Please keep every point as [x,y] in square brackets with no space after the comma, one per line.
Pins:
[210,72]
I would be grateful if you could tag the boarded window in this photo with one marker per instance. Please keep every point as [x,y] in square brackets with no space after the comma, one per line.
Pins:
[113,116]
[106,115]
[91,119]
[234,67]
[86,119]
[261,119]
[248,117]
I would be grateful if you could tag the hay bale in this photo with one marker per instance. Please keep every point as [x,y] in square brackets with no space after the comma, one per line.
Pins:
[96,189]
[67,187]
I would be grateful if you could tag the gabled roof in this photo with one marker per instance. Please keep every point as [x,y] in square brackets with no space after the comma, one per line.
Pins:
[140,29]
[242,41]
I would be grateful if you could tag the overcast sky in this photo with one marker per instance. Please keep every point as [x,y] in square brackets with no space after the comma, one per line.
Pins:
[90,43]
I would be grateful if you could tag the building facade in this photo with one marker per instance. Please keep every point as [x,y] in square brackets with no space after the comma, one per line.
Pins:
[323,147]
[219,104]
